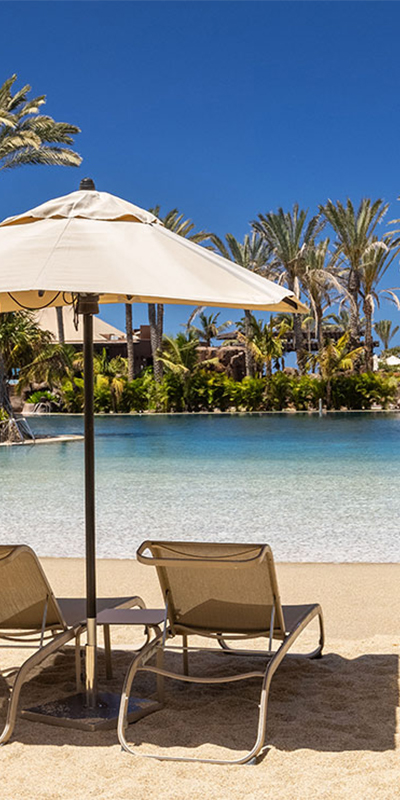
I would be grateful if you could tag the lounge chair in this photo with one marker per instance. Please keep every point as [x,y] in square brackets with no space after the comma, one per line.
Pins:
[32,617]
[228,593]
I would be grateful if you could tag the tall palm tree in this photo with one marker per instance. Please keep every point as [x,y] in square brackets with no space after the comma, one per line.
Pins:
[28,137]
[253,254]
[289,238]
[175,222]
[355,244]
[209,327]
[319,280]
[373,267]
[385,332]
[60,325]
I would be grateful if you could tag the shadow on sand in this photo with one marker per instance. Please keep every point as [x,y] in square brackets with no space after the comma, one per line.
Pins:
[333,704]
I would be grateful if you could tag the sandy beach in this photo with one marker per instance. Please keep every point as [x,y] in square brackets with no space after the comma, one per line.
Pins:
[332,724]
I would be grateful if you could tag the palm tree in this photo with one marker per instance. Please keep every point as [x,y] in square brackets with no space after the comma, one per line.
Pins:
[60,325]
[340,320]
[373,267]
[384,330]
[318,281]
[179,356]
[253,254]
[209,328]
[335,357]
[354,246]
[51,365]
[110,375]
[28,137]
[289,239]
[265,342]
[175,222]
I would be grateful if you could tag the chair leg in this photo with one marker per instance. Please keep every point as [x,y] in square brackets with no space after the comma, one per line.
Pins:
[140,658]
[185,656]
[160,678]
[78,663]
[56,644]
[107,650]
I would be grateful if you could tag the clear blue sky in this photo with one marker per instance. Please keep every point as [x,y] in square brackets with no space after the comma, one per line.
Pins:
[223,109]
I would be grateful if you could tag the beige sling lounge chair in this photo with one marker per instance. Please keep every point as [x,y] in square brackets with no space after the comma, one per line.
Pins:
[228,593]
[31,617]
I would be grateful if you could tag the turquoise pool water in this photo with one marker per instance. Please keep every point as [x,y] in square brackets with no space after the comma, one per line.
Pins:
[316,489]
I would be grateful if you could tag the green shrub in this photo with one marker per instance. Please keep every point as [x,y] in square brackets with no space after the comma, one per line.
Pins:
[135,396]
[251,396]
[359,392]
[278,392]
[72,395]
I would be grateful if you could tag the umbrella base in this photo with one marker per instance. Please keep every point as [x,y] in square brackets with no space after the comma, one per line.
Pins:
[73,711]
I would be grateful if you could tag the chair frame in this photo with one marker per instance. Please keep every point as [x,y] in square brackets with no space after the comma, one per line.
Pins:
[46,639]
[301,617]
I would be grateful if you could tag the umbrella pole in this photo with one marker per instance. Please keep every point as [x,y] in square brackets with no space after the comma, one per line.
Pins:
[89,511]
[89,710]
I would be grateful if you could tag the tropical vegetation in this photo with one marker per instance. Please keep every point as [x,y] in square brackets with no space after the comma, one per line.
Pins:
[27,137]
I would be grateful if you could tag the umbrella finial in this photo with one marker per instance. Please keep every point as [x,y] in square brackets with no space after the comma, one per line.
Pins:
[86,184]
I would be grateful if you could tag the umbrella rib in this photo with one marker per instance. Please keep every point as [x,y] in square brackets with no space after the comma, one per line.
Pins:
[55,245]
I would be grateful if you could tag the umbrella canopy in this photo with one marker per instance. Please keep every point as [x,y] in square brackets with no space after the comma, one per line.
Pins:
[90,247]
[93,242]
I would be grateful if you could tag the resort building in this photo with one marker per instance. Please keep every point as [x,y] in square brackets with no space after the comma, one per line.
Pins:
[105,336]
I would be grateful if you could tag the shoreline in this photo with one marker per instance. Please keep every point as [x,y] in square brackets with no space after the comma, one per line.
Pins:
[287,411]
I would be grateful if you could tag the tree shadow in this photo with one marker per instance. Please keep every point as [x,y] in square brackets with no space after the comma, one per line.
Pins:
[328,705]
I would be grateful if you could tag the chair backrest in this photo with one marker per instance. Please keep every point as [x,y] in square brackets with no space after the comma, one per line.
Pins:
[220,588]
[24,592]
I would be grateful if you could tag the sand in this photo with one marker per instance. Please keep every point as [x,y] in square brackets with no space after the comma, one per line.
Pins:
[332,724]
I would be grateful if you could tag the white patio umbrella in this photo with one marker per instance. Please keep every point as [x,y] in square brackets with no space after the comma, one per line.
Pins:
[89,247]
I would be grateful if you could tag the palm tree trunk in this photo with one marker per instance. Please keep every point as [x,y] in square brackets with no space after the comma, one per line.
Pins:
[298,337]
[160,326]
[60,325]
[248,358]
[353,289]
[298,343]
[368,340]
[328,393]
[320,332]
[129,340]
[5,402]
[156,314]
